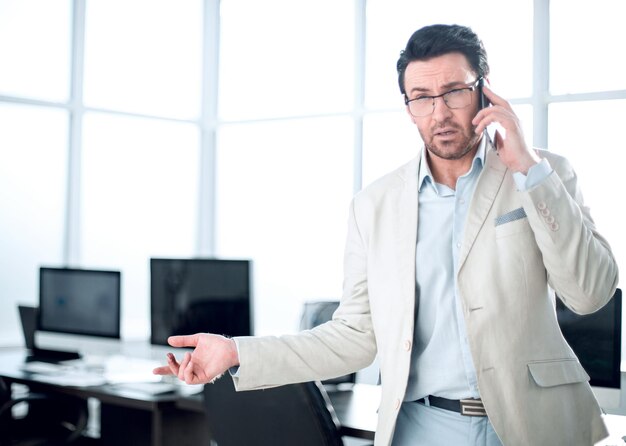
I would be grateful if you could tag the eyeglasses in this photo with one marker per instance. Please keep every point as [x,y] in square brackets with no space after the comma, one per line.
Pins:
[454,99]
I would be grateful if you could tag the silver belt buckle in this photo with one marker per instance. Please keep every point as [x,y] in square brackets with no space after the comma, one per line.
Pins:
[473,408]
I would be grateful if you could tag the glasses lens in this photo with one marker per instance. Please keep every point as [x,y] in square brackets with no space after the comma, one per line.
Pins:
[458,98]
[421,107]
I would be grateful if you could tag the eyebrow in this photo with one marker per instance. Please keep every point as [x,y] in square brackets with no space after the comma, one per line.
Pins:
[449,85]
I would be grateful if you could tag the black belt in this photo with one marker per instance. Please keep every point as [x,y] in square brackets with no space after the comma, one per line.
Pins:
[468,407]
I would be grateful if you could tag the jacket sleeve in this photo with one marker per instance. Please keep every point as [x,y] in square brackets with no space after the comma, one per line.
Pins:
[578,260]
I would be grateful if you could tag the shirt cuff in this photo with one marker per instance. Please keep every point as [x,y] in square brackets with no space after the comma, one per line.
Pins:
[234,371]
[536,174]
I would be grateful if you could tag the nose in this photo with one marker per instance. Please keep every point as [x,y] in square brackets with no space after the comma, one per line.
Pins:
[441,111]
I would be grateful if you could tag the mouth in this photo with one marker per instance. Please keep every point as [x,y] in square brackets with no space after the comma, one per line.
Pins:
[444,133]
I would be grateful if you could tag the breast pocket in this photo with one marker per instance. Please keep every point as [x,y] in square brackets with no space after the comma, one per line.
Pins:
[513,227]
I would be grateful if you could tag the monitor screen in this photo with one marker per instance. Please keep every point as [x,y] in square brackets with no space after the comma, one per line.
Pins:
[79,301]
[190,296]
[596,340]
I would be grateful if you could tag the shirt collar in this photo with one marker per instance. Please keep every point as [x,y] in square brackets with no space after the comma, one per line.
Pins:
[424,169]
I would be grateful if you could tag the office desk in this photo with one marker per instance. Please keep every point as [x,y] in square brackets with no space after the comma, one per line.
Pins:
[126,417]
[130,418]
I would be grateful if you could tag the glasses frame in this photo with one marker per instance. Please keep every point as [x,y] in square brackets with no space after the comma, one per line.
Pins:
[472,87]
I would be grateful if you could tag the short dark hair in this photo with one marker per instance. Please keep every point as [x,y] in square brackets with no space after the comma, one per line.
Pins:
[437,40]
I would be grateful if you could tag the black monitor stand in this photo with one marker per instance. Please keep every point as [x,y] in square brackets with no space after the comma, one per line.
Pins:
[28,317]
[53,356]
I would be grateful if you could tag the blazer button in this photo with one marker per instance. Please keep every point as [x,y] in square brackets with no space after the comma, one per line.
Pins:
[407,345]
[541,206]
[550,219]
[545,212]
[554,226]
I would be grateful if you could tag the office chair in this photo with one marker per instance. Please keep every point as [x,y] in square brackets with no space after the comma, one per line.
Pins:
[316,313]
[34,418]
[296,414]
[46,419]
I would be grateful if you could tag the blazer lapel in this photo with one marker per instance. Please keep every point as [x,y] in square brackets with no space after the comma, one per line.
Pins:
[486,191]
[406,228]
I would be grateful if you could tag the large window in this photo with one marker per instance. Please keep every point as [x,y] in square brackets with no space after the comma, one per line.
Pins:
[280,58]
[139,176]
[239,128]
[283,202]
[585,43]
[283,185]
[35,49]
[35,66]
[144,56]
[139,195]
[33,183]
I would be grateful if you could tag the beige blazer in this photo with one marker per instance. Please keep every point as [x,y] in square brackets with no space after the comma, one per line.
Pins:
[533,387]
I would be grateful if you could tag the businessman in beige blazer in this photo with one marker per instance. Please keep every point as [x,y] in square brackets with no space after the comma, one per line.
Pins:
[451,267]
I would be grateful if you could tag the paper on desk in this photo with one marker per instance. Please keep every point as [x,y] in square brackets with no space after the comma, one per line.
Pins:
[123,369]
[42,367]
[78,379]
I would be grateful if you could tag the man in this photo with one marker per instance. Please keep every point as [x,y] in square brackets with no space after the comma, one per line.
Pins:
[450,264]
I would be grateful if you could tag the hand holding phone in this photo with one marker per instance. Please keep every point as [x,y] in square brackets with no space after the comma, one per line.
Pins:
[502,126]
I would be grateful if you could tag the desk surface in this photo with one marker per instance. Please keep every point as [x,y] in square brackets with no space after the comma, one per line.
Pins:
[12,361]
[356,409]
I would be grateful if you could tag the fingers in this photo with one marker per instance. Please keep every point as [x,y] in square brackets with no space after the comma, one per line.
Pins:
[503,119]
[183,371]
[164,370]
[494,98]
[184,341]
[189,373]
[183,366]
[481,122]
[170,369]
[172,363]
[501,112]
[186,371]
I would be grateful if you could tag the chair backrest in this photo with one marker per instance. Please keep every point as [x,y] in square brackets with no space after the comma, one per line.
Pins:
[596,339]
[316,313]
[296,414]
[51,419]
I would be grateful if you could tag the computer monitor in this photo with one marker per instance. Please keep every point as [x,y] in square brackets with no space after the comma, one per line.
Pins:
[190,296]
[596,340]
[79,310]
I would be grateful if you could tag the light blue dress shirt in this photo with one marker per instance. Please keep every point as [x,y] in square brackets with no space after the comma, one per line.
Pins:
[441,361]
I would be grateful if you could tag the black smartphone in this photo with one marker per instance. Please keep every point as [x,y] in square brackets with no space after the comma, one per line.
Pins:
[483,102]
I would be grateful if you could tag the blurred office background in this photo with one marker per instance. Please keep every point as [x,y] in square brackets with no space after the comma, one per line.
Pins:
[132,129]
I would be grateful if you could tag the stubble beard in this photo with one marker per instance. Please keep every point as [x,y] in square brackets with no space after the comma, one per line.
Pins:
[454,150]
